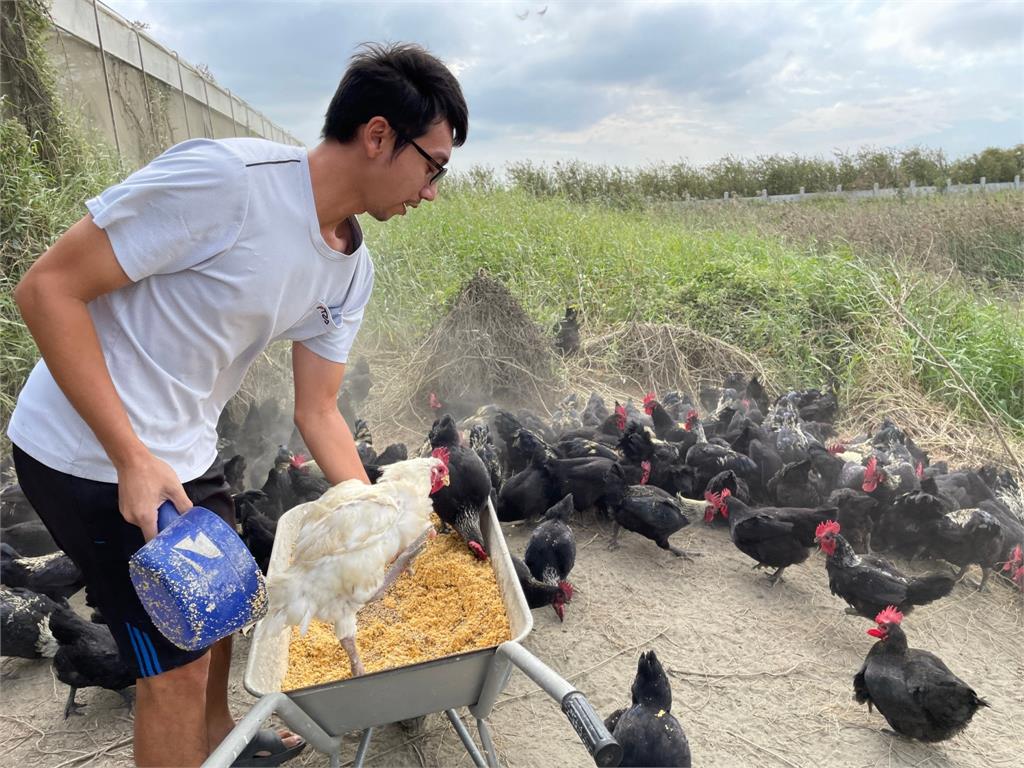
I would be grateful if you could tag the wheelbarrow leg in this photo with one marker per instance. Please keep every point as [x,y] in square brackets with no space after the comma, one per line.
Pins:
[467,740]
[485,737]
[364,744]
[297,720]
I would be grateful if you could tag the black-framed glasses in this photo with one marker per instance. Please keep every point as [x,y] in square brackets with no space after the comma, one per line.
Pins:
[439,170]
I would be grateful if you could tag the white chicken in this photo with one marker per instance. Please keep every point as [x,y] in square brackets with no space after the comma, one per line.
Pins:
[354,541]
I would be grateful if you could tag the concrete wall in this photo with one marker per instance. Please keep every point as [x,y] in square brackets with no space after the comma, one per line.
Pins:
[137,94]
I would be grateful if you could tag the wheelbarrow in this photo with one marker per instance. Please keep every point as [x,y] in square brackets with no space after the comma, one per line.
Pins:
[323,714]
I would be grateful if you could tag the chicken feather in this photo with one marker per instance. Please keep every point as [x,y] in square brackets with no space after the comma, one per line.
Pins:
[347,540]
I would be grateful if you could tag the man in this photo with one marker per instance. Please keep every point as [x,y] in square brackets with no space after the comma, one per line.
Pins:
[149,311]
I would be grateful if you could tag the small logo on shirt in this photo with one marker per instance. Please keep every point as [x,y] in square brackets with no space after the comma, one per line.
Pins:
[325,313]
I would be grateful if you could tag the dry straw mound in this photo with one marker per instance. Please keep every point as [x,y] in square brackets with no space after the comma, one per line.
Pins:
[656,356]
[484,348]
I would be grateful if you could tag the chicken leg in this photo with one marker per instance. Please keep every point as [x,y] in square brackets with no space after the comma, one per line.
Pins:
[396,569]
[72,707]
[356,664]
[683,553]
[400,563]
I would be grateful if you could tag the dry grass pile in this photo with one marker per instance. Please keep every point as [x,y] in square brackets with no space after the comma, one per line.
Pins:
[643,357]
[935,426]
[484,348]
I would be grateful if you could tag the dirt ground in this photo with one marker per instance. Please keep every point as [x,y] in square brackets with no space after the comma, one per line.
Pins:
[760,676]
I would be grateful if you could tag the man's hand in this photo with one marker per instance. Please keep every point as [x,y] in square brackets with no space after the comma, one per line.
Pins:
[143,485]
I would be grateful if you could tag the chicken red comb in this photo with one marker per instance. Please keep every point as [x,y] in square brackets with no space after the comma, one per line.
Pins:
[692,414]
[1016,559]
[434,402]
[620,410]
[649,398]
[646,467]
[889,615]
[726,493]
[828,528]
[298,460]
[836,448]
[713,498]
[442,454]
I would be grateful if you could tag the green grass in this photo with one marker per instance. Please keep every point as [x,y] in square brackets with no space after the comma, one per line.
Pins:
[38,201]
[811,311]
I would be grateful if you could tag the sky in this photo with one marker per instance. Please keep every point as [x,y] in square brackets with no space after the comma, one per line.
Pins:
[635,83]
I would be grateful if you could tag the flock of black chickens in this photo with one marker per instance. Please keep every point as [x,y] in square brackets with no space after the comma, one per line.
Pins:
[773,472]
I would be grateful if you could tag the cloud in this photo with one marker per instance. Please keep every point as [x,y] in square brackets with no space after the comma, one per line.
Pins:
[637,82]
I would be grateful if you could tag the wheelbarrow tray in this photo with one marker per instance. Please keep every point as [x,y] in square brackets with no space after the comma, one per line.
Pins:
[395,694]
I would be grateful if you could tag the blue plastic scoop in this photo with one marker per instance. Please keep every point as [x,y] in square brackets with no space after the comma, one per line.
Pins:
[196,579]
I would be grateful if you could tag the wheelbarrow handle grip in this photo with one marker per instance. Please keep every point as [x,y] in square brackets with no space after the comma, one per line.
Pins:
[605,750]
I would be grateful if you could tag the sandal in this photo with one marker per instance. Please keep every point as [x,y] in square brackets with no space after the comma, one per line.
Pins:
[267,740]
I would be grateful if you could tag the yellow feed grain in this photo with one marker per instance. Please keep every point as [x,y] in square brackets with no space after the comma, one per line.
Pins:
[448,604]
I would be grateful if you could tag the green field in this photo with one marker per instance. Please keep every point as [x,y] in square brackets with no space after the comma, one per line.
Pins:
[921,293]
[808,302]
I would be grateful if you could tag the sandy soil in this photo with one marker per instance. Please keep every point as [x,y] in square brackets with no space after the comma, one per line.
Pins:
[760,676]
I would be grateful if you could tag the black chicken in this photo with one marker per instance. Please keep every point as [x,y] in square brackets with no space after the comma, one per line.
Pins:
[905,524]
[305,485]
[358,381]
[856,516]
[665,427]
[53,575]
[797,484]
[738,488]
[915,692]
[567,333]
[537,593]
[522,447]
[644,509]
[480,441]
[647,731]
[15,506]
[667,470]
[87,657]
[30,538]
[708,459]
[551,551]
[234,473]
[460,503]
[595,411]
[581,448]
[527,494]
[868,584]
[585,479]
[25,623]
[776,537]
[258,529]
[967,537]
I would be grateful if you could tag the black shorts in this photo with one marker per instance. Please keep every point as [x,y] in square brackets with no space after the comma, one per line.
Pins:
[83,518]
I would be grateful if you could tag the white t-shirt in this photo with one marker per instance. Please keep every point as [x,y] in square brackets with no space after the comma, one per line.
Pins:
[222,243]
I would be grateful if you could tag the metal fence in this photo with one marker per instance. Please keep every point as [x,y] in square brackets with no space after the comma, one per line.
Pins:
[913,190]
[138,93]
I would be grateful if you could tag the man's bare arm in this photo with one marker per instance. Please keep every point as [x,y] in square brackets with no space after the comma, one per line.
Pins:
[52,297]
[317,381]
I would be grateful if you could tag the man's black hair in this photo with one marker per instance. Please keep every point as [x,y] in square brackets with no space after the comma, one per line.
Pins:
[402,83]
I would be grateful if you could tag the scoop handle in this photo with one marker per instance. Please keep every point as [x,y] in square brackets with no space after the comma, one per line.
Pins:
[166,514]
